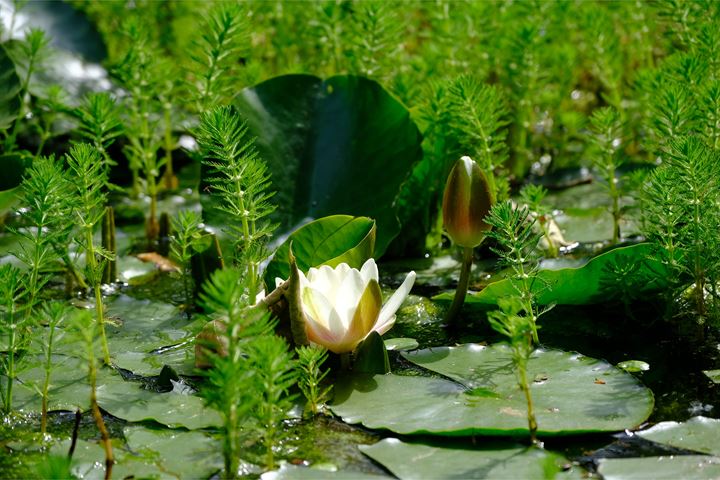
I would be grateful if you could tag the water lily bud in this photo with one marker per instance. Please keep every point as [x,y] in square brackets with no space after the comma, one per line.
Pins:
[467,200]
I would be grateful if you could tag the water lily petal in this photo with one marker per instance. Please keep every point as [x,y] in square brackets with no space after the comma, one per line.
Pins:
[320,335]
[386,318]
[324,279]
[366,313]
[319,309]
[369,271]
[348,296]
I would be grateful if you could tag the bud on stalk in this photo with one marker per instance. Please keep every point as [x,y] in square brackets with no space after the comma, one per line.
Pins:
[467,200]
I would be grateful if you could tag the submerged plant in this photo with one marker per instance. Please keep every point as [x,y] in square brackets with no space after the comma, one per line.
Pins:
[187,233]
[681,215]
[467,200]
[512,229]
[606,138]
[84,329]
[54,313]
[89,179]
[311,376]
[241,180]
[519,328]
[99,123]
[12,322]
[238,382]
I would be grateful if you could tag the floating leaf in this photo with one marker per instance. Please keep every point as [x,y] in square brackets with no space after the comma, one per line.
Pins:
[611,275]
[700,434]
[634,366]
[179,453]
[485,398]
[9,91]
[401,344]
[713,375]
[292,472]
[129,401]
[660,468]
[327,241]
[337,146]
[442,461]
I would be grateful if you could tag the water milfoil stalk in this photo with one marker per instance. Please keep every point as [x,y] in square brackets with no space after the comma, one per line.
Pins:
[89,178]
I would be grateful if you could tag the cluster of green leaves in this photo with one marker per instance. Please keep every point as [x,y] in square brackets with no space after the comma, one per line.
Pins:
[249,382]
[187,233]
[310,380]
[241,181]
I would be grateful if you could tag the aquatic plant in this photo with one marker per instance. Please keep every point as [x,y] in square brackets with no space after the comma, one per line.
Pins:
[607,140]
[54,314]
[342,305]
[187,233]
[241,181]
[12,326]
[88,178]
[311,376]
[99,123]
[533,196]
[681,216]
[468,198]
[83,328]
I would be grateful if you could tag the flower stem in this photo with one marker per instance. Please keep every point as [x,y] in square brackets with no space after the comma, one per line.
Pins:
[462,287]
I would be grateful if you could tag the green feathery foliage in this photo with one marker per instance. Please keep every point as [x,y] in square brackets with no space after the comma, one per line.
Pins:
[54,314]
[512,229]
[88,178]
[241,181]
[215,56]
[249,381]
[187,232]
[99,122]
[13,326]
[311,376]
[376,38]
[606,137]
[681,215]
[534,196]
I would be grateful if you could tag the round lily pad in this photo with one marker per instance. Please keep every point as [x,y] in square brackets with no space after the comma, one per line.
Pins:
[572,394]
[501,461]
[700,434]
[699,467]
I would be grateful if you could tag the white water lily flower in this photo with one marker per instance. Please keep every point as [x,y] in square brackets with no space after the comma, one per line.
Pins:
[342,305]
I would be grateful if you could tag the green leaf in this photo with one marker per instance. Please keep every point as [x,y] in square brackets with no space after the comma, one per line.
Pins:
[442,461]
[327,241]
[700,434]
[713,375]
[336,146]
[660,468]
[129,401]
[179,453]
[401,344]
[634,366]
[371,355]
[293,472]
[13,166]
[9,92]
[573,394]
[620,272]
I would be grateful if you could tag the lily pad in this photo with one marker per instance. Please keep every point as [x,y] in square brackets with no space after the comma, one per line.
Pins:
[700,434]
[179,453]
[327,241]
[611,275]
[401,344]
[9,90]
[293,472]
[698,467]
[69,389]
[127,400]
[439,461]
[572,394]
[338,146]
[713,375]
[634,366]
[88,462]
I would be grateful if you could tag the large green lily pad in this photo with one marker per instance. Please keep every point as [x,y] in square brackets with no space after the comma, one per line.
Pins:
[572,394]
[127,400]
[409,461]
[698,467]
[179,453]
[69,389]
[700,434]
[615,274]
[338,146]
[327,241]
[293,472]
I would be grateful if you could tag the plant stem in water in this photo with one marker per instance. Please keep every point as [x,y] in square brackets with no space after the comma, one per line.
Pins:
[462,287]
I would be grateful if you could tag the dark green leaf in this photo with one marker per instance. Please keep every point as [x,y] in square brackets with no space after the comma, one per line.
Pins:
[371,355]
[327,241]
[9,92]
